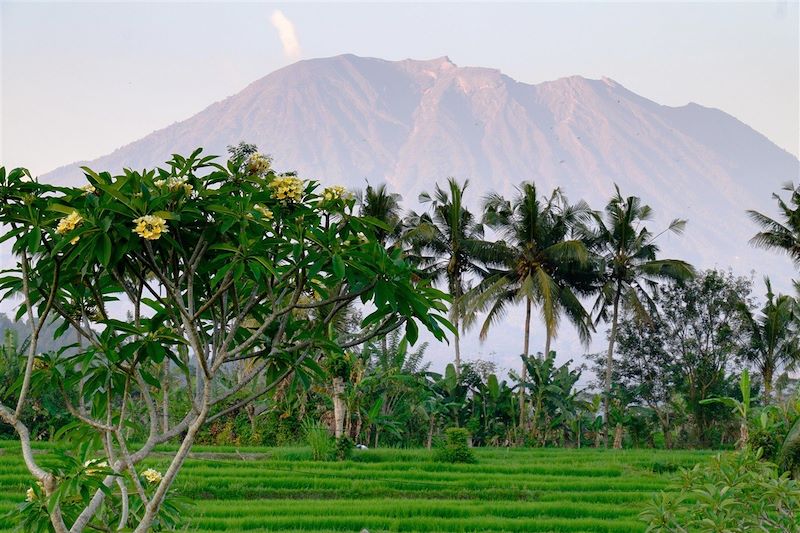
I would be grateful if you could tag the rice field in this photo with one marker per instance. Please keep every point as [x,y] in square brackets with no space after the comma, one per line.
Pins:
[281,489]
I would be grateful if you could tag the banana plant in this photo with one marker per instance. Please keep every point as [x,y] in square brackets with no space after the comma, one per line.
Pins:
[741,409]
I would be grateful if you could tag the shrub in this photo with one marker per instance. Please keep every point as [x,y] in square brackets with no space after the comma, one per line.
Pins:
[319,439]
[344,448]
[734,493]
[455,448]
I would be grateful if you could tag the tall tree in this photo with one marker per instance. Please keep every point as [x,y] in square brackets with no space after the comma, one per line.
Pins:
[447,241]
[630,269]
[382,205]
[535,262]
[773,336]
[783,235]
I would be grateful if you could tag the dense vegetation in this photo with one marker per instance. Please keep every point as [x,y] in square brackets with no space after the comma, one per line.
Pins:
[227,304]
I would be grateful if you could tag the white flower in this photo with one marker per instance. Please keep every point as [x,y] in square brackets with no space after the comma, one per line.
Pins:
[88,189]
[30,494]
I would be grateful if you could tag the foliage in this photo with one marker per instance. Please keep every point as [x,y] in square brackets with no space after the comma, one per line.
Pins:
[781,235]
[774,342]
[455,448]
[344,448]
[736,493]
[230,270]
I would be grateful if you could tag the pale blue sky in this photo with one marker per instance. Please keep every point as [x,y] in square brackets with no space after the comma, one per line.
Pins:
[79,80]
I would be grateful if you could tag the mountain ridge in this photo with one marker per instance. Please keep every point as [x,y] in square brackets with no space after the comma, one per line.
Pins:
[411,122]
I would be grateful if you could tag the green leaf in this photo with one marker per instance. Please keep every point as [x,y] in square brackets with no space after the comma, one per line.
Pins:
[104,250]
[338,267]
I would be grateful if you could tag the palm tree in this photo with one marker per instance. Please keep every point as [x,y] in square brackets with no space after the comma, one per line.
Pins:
[630,271]
[783,236]
[536,261]
[447,242]
[383,206]
[773,336]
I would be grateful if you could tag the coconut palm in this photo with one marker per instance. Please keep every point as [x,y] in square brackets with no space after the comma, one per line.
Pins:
[447,243]
[384,206]
[630,270]
[781,235]
[773,336]
[536,262]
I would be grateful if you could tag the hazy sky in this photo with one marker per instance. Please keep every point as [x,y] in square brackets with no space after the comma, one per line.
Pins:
[79,80]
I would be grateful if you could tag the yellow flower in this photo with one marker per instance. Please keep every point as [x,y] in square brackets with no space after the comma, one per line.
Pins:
[265,211]
[150,227]
[287,188]
[159,183]
[69,223]
[75,240]
[152,476]
[30,494]
[336,192]
[258,164]
[88,189]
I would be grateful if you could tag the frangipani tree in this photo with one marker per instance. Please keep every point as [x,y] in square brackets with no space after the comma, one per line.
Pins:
[218,263]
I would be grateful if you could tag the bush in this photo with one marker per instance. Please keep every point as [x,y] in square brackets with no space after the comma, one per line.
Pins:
[323,447]
[735,493]
[344,448]
[455,448]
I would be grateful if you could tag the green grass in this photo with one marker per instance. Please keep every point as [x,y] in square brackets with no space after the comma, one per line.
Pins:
[281,489]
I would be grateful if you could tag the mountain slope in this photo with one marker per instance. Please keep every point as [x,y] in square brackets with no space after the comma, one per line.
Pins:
[346,119]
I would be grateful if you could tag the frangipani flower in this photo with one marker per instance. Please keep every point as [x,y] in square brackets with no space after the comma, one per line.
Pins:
[150,227]
[265,211]
[258,164]
[96,464]
[69,223]
[336,192]
[287,188]
[175,184]
[88,189]
[152,476]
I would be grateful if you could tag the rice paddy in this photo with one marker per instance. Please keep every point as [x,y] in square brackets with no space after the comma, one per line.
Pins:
[281,489]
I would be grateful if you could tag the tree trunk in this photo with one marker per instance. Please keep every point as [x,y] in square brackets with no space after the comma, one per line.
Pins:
[767,377]
[618,437]
[547,342]
[524,374]
[744,435]
[612,337]
[165,403]
[430,431]
[457,339]
[338,406]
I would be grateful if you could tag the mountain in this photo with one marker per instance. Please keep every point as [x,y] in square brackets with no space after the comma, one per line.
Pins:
[346,119]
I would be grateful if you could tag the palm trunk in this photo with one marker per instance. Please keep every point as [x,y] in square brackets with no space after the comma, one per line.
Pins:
[524,374]
[457,339]
[430,431]
[618,437]
[547,344]
[338,406]
[767,377]
[609,365]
